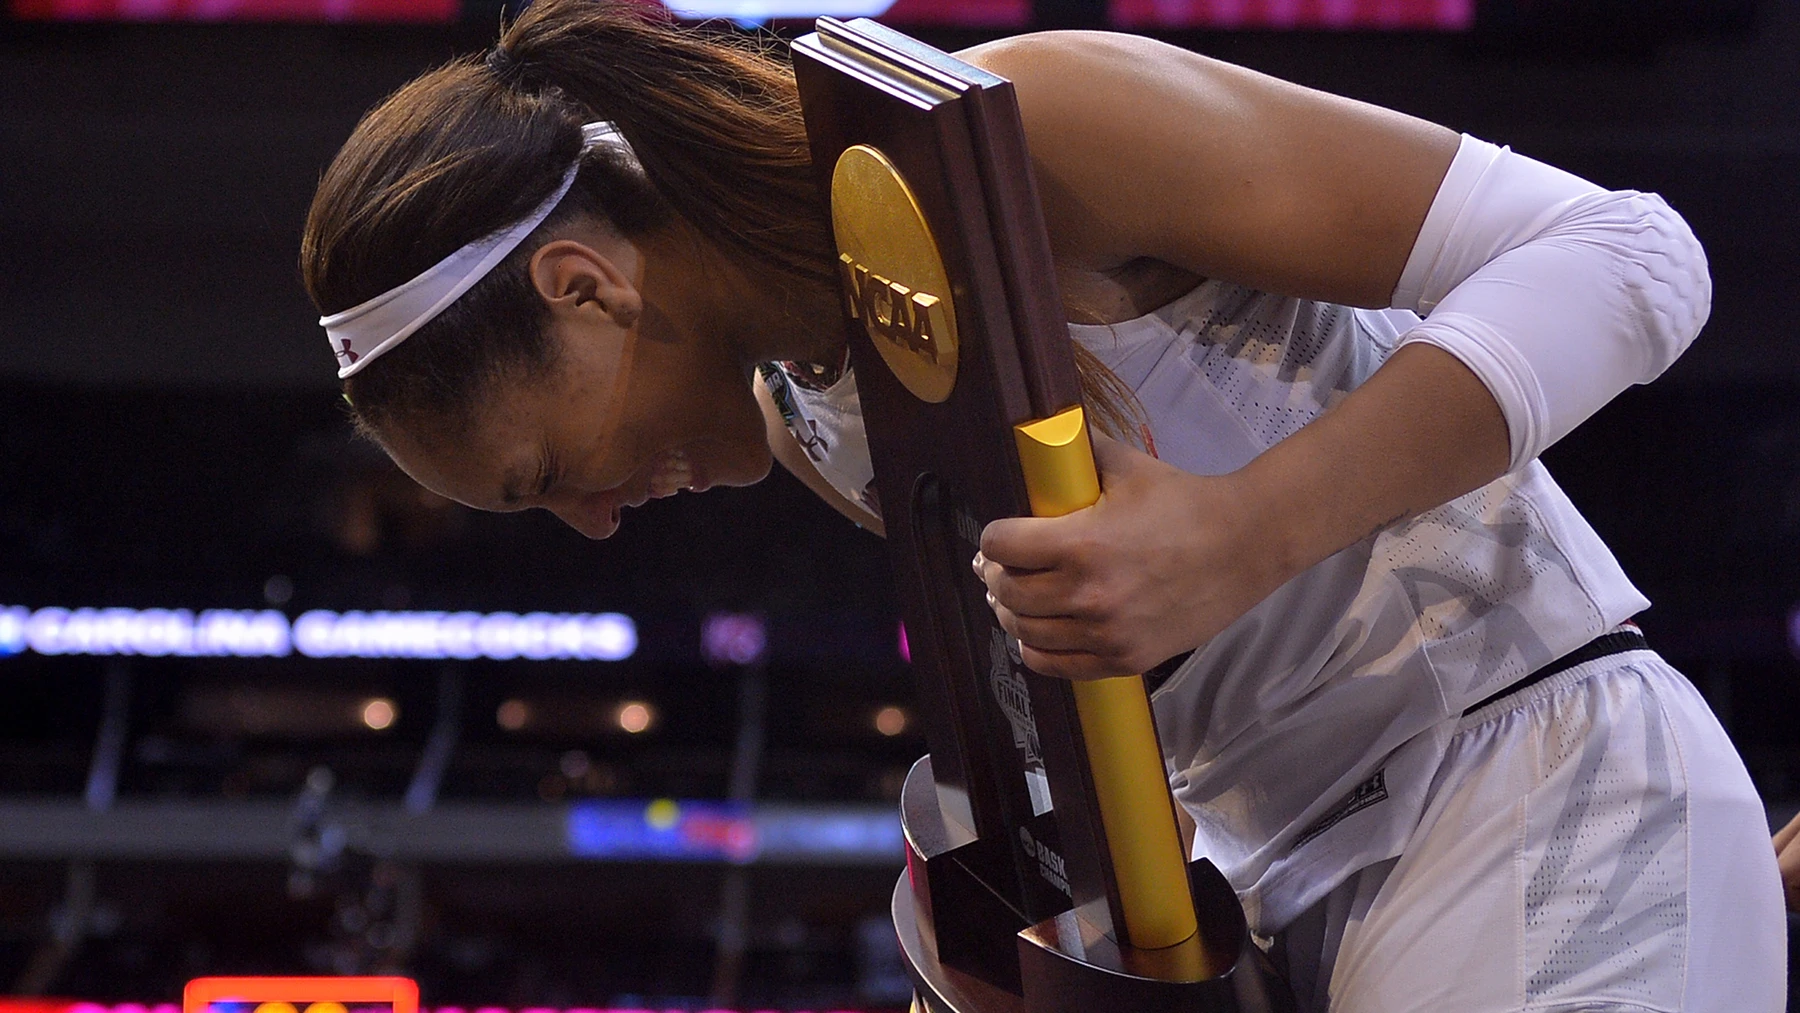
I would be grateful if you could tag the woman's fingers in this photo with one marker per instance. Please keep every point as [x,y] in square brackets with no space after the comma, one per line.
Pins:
[1789,862]
[1032,592]
[1028,543]
[1033,607]
[1053,647]
[1076,666]
[1786,834]
[1069,648]
[1047,633]
[1787,856]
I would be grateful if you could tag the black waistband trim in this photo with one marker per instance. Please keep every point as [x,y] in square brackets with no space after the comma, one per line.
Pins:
[1155,677]
[1603,646]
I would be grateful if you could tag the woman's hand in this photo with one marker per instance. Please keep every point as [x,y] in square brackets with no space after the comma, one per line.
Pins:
[1167,559]
[1787,856]
[1161,564]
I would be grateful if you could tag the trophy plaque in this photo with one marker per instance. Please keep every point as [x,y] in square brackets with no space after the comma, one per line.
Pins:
[1044,867]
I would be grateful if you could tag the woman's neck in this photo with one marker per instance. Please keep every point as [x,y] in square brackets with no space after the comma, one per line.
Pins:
[792,319]
[758,313]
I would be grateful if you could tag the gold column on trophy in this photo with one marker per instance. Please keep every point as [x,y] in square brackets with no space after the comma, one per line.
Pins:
[1123,758]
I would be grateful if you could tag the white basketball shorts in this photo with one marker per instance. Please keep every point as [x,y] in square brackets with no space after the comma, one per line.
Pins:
[1590,843]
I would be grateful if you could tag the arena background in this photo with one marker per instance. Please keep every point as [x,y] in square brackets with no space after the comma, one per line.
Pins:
[314,721]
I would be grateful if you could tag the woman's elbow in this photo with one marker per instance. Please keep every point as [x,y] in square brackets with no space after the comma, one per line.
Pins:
[1666,281]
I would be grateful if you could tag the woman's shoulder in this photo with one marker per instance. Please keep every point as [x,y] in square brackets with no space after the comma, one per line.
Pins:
[1048,58]
[1069,84]
[1142,149]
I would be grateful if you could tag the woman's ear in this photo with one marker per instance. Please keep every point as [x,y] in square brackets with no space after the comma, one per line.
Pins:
[575,278]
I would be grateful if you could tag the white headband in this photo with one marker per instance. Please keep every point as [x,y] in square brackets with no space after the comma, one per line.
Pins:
[363,332]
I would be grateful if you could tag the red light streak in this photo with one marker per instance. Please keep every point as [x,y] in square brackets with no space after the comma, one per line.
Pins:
[77,1006]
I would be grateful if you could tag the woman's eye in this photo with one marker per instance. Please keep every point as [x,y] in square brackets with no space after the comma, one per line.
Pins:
[552,475]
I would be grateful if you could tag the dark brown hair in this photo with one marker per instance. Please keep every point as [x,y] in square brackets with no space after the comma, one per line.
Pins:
[712,118]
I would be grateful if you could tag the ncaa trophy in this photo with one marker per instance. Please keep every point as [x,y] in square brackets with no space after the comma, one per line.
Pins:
[1044,868]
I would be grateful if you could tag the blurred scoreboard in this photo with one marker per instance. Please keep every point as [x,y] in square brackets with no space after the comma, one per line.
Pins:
[1298,14]
[374,11]
[1392,15]
[970,13]
[1001,15]
[1403,15]
[373,994]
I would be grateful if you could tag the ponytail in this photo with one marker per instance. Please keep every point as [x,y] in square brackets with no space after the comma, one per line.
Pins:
[713,118]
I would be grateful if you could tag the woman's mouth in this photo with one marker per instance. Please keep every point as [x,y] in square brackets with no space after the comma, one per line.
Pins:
[672,473]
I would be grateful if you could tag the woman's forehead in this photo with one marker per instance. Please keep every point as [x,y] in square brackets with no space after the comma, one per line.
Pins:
[477,466]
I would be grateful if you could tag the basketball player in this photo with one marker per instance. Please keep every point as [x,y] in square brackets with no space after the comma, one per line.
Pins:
[1415,728]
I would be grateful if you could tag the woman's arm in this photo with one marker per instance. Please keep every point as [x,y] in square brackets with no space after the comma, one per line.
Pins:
[1144,150]
[1167,559]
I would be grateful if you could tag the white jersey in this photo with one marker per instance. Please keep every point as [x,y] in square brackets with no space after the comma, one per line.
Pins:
[1304,737]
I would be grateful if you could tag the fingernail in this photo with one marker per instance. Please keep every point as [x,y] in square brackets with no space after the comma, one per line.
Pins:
[975,564]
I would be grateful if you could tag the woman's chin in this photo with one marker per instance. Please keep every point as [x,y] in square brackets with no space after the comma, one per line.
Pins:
[745,468]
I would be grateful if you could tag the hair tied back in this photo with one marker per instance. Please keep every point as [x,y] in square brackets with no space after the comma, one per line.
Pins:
[503,65]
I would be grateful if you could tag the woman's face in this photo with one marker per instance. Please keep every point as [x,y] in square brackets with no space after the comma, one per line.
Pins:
[649,397]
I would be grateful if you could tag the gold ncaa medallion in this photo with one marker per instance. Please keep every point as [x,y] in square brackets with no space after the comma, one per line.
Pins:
[894,280]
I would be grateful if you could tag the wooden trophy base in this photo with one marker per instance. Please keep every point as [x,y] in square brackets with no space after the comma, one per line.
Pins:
[1058,965]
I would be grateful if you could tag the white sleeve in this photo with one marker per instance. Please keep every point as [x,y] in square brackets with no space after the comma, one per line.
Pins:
[1556,293]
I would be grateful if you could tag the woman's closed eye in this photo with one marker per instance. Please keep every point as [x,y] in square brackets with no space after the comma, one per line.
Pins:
[517,492]
[549,473]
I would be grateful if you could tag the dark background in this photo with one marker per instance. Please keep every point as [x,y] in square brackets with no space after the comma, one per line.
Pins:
[171,437]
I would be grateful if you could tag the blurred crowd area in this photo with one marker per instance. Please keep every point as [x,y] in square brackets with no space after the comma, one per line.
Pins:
[763,671]
[702,820]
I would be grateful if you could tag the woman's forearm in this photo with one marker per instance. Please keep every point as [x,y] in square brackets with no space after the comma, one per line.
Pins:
[1421,431]
[1167,559]
[1546,295]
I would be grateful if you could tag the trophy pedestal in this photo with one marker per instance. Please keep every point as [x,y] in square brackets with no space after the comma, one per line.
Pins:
[990,961]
